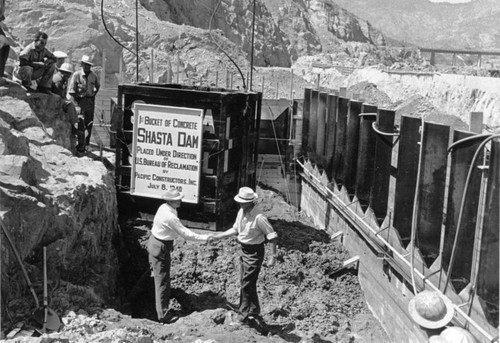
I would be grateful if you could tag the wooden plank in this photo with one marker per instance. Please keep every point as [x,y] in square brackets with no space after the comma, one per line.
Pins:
[461,159]
[487,286]
[331,121]
[409,150]
[351,147]
[431,187]
[313,121]
[379,194]
[306,114]
[366,158]
[340,135]
[321,129]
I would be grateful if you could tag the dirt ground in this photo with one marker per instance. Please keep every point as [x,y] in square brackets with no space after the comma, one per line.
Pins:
[300,298]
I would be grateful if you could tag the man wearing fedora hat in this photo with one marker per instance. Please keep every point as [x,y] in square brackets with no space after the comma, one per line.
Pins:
[82,90]
[166,228]
[253,230]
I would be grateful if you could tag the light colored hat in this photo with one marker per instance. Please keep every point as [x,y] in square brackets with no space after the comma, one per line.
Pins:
[430,311]
[246,194]
[60,54]
[455,334]
[86,60]
[172,194]
[67,67]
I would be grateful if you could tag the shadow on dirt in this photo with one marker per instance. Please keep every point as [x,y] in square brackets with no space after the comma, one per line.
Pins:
[297,235]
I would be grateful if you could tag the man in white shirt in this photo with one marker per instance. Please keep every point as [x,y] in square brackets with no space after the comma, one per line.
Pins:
[166,228]
[253,231]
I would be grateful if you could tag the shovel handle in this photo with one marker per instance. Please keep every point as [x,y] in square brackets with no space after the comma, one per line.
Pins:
[7,234]
[45,300]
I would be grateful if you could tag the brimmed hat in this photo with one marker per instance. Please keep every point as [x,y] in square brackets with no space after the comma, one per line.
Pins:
[246,194]
[86,60]
[431,311]
[67,67]
[60,54]
[172,194]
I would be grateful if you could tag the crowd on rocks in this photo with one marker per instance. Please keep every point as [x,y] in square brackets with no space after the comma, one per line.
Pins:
[40,70]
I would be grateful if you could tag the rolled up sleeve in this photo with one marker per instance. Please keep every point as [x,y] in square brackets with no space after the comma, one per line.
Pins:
[266,227]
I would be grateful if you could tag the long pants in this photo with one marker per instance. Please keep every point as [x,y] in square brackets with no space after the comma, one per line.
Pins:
[4,51]
[159,261]
[251,259]
[86,121]
[42,75]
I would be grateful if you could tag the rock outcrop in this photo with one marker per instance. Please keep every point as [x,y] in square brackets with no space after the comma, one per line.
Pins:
[49,197]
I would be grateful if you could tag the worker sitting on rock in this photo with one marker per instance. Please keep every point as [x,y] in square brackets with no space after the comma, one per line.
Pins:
[253,230]
[82,90]
[166,228]
[37,63]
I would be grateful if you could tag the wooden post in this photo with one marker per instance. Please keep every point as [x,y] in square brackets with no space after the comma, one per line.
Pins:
[151,68]
[479,60]
[120,69]
[217,79]
[177,69]
[476,122]
[433,58]
[277,89]
[317,82]
[103,73]
[262,85]
[291,83]
[231,81]
[343,92]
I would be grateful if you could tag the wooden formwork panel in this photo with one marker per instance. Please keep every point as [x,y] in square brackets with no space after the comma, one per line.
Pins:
[321,129]
[379,194]
[406,176]
[331,122]
[461,159]
[313,121]
[366,157]
[340,137]
[351,146]
[431,187]
[487,283]
[306,115]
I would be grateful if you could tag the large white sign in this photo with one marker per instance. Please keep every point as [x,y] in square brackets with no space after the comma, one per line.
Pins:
[166,151]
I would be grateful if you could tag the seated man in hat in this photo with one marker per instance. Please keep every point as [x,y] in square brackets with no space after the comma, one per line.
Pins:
[82,90]
[253,230]
[60,58]
[37,63]
[166,228]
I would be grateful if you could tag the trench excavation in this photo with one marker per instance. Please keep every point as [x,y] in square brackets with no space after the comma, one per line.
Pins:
[306,292]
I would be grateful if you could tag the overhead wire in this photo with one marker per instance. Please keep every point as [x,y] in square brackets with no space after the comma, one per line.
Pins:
[220,47]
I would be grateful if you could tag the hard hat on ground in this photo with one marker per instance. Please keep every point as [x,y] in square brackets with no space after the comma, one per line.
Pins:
[67,67]
[430,310]
[456,334]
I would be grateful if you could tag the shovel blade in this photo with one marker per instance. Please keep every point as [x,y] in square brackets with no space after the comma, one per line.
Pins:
[53,322]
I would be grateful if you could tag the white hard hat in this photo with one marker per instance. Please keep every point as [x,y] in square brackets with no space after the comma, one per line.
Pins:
[456,334]
[60,54]
[430,311]
[86,60]
[67,67]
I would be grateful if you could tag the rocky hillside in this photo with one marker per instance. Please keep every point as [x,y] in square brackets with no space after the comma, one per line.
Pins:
[180,32]
[471,25]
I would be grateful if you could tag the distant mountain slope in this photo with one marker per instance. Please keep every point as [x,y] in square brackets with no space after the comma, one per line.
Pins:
[473,25]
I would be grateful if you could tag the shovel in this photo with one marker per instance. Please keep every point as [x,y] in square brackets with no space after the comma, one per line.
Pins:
[53,321]
[44,315]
